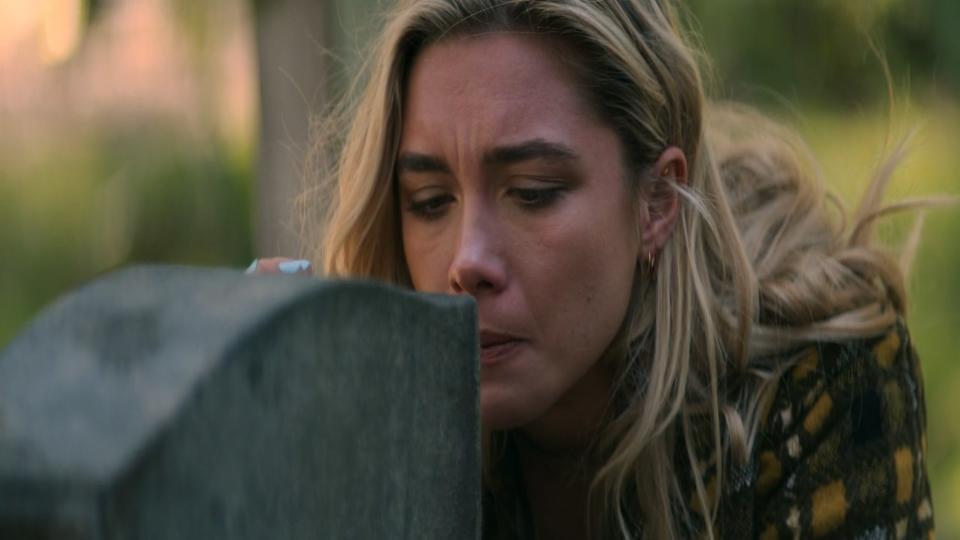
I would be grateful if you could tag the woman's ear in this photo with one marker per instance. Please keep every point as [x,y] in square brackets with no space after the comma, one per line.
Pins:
[662,201]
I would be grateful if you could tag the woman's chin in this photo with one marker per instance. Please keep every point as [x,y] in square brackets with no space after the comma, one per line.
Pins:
[492,422]
[498,412]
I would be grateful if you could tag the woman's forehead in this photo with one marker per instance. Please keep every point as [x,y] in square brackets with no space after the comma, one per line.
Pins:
[499,60]
[512,83]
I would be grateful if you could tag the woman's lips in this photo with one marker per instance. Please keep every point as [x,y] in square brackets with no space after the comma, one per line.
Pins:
[496,347]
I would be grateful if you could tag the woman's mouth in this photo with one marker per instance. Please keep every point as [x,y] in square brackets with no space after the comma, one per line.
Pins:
[495,347]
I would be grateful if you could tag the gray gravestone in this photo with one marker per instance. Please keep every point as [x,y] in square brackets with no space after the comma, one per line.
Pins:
[177,403]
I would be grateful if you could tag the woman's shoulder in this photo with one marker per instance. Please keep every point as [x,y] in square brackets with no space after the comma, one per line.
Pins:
[841,450]
[878,375]
[866,387]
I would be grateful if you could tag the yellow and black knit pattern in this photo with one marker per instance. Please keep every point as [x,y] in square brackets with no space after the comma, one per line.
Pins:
[841,454]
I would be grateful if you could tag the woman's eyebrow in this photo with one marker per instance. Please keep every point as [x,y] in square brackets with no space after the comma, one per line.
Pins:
[424,163]
[532,149]
[416,162]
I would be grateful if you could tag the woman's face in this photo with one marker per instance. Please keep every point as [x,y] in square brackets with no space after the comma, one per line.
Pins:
[512,190]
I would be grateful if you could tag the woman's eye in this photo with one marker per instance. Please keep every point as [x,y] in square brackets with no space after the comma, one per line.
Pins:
[537,197]
[430,207]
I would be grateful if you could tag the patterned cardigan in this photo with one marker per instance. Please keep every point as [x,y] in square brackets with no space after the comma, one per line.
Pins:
[841,451]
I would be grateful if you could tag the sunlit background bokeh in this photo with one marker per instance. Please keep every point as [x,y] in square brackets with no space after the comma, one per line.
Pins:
[129,132]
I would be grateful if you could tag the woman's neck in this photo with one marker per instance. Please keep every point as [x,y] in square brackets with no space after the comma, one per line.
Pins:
[555,457]
[574,420]
[557,487]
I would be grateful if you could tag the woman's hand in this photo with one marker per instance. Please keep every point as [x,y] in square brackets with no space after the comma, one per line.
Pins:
[280,265]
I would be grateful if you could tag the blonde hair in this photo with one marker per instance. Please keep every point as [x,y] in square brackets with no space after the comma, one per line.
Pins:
[701,351]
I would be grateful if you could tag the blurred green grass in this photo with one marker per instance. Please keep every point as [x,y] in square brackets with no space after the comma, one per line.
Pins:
[78,204]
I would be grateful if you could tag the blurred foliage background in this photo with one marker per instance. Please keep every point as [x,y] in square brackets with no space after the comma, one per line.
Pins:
[135,131]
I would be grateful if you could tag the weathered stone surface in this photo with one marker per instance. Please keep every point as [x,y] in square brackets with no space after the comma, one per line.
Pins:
[175,403]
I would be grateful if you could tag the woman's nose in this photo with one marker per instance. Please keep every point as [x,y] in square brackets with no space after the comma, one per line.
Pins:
[478,266]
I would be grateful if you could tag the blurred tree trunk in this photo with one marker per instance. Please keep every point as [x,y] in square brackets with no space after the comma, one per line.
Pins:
[305,50]
[291,39]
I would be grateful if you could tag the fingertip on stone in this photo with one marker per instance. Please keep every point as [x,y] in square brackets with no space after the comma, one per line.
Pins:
[294,267]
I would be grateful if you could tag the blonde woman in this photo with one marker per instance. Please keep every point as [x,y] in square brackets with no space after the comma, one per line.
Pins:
[677,339]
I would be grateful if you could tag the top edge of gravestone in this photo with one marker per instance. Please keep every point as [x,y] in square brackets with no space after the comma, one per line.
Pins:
[94,377]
